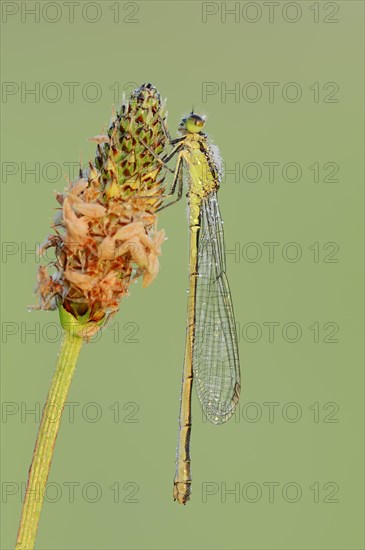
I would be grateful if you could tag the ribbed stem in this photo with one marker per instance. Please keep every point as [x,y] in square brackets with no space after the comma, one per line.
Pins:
[47,434]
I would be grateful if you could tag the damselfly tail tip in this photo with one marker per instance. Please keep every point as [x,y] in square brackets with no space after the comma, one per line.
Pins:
[182,491]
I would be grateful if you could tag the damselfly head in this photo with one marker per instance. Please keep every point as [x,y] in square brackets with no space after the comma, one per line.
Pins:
[192,124]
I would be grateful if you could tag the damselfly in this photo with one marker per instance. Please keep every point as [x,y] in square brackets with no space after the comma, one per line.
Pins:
[211,350]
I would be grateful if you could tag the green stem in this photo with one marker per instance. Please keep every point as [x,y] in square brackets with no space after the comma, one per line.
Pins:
[47,434]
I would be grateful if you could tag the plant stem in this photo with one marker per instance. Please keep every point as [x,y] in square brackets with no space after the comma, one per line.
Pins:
[47,434]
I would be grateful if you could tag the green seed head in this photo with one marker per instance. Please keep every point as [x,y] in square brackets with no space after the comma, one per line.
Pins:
[106,234]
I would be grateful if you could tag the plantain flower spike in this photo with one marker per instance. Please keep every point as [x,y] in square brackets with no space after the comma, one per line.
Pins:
[105,233]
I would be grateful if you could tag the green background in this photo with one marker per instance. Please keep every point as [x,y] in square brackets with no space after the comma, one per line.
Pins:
[171,46]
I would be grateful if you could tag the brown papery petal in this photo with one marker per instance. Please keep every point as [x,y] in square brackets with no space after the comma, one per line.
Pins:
[79,186]
[77,228]
[128,231]
[151,273]
[146,241]
[136,249]
[90,210]
[107,249]
[85,282]
[100,138]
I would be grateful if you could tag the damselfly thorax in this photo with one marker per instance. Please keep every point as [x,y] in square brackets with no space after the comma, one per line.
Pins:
[202,174]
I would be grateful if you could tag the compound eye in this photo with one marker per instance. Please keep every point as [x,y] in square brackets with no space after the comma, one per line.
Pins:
[194,123]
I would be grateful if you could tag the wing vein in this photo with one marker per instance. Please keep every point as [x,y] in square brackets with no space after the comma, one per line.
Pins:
[215,351]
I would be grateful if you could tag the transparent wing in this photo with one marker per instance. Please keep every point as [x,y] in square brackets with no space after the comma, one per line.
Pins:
[215,351]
